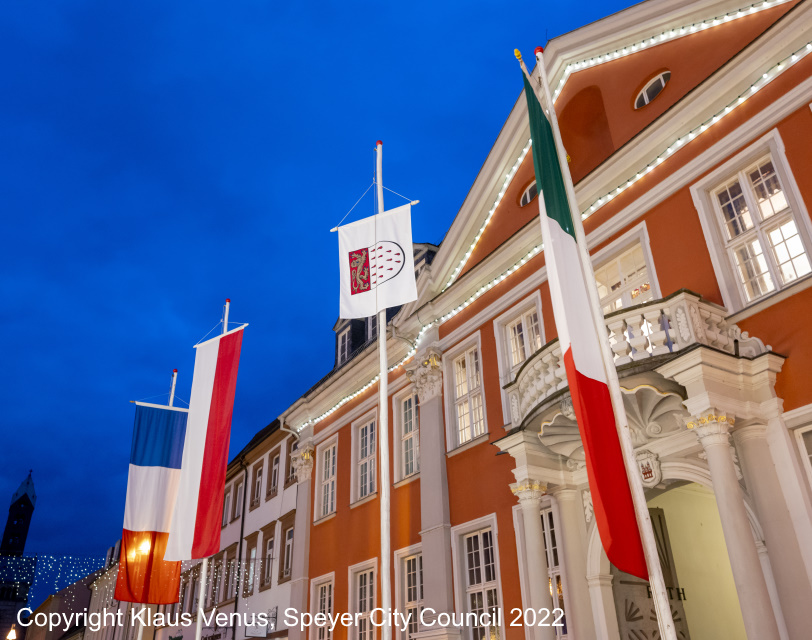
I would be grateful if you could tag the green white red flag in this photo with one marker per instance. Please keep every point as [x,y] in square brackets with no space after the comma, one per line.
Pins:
[580,345]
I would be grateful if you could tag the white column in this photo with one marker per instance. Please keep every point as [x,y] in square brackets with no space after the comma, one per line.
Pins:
[299,583]
[603,607]
[754,597]
[792,587]
[572,544]
[529,493]
[435,515]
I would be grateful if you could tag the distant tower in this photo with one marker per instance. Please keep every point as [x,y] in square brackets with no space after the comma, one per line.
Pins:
[19,519]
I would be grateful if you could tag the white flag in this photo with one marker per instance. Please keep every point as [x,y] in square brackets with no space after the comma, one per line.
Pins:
[376,263]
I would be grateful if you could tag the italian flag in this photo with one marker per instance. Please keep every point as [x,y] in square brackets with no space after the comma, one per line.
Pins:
[611,495]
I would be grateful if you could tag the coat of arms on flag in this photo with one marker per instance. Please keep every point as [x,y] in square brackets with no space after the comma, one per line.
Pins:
[377,263]
[374,265]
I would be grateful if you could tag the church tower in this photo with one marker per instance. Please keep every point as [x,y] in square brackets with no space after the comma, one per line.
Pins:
[19,519]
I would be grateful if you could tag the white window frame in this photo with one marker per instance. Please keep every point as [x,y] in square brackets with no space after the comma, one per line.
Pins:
[287,558]
[226,507]
[327,580]
[353,572]
[257,497]
[399,438]
[372,327]
[401,556]
[636,235]
[240,500]
[267,579]
[355,472]
[804,453]
[449,380]
[251,573]
[643,91]
[343,346]
[500,330]
[526,192]
[555,572]
[702,193]
[273,476]
[329,445]
[459,534]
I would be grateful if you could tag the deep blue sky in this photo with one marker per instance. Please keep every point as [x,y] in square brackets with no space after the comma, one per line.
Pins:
[158,157]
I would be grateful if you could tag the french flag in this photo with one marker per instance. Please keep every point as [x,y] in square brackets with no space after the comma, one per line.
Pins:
[152,486]
[195,529]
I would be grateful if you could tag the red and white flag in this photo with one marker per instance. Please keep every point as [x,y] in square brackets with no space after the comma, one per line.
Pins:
[195,529]
[376,263]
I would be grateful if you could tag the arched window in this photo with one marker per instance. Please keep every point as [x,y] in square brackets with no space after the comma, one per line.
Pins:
[652,89]
[528,195]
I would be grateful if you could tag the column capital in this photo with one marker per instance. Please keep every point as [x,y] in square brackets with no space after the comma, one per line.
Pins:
[303,460]
[426,372]
[712,428]
[528,490]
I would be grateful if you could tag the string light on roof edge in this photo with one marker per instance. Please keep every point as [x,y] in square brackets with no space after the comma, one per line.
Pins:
[763,80]
[671,34]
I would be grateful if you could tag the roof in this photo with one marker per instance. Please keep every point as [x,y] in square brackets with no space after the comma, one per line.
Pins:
[26,488]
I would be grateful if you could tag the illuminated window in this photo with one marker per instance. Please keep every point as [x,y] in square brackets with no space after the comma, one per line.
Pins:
[480,579]
[523,337]
[624,281]
[652,89]
[327,481]
[468,406]
[551,548]
[410,436]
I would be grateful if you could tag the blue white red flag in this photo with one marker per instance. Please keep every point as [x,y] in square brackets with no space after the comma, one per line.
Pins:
[195,530]
[152,486]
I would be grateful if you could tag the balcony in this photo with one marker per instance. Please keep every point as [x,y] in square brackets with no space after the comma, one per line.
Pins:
[655,329]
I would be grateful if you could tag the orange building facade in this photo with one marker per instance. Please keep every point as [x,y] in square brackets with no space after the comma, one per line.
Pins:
[689,128]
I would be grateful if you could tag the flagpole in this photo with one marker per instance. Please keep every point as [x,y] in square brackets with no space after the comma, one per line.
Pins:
[656,580]
[383,431]
[172,387]
[204,566]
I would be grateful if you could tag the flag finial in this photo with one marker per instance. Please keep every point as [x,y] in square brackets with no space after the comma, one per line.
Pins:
[539,50]
[518,54]
[379,143]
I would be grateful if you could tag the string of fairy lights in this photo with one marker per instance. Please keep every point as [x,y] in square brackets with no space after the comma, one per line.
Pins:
[767,76]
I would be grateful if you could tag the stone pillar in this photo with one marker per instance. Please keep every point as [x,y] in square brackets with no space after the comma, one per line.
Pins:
[435,519]
[529,493]
[299,583]
[751,586]
[603,607]
[792,587]
[572,543]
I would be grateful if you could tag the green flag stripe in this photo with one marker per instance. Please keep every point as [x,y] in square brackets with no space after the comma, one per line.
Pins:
[545,161]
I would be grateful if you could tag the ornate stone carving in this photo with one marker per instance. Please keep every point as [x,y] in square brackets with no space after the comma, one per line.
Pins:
[712,428]
[566,407]
[649,465]
[682,325]
[589,510]
[303,459]
[528,489]
[427,374]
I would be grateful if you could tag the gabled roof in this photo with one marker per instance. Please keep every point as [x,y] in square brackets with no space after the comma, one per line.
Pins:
[26,488]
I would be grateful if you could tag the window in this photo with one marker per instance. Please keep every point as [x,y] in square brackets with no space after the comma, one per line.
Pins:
[480,580]
[290,469]
[468,410]
[759,230]
[624,281]
[652,89]
[273,480]
[269,548]
[365,459]
[252,566]
[523,338]
[529,194]
[805,441]
[412,592]
[327,481]
[257,493]
[372,327]
[344,346]
[226,502]
[231,578]
[323,599]
[363,601]
[553,567]
[409,436]
[287,566]
[238,502]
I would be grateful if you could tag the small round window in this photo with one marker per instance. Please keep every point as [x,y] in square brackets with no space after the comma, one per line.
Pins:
[652,89]
[528,195]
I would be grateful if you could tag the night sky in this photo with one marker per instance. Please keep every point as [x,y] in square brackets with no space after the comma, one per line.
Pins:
[158,157]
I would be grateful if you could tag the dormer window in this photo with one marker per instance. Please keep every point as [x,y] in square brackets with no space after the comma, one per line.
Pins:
[528,195]
[344,346]
[652,89]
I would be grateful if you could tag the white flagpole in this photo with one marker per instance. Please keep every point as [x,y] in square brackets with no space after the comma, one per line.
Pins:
[172,388]
[204,566]
[661,603]
[383,434]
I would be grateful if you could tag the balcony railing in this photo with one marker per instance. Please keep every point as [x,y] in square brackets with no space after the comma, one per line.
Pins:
[639,333]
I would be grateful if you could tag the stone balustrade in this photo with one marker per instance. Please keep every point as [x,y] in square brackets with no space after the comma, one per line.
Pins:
[655,328]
